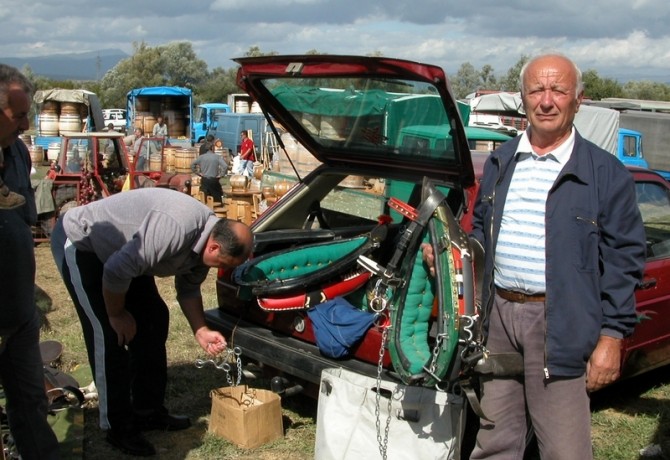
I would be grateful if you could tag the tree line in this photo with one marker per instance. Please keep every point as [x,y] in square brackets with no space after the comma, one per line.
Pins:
[176,64]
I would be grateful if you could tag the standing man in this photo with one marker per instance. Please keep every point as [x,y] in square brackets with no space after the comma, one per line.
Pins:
[160,128]
[565,248]
[247,155]
[140,150]
[21,371]
[210,167]
[108,253]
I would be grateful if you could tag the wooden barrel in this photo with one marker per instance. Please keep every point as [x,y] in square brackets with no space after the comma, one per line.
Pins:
[36,154]
[168,154]
[175,123]
[51,107]
[48,124]
[332,127]
[148,124]
[142,104]
[69,124]
[155,162]
[53,151]
[183,158]
[69,108]
[241,107]
[26,138]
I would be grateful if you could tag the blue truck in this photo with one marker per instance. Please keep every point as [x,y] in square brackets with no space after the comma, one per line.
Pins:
[203,117]
[173,103]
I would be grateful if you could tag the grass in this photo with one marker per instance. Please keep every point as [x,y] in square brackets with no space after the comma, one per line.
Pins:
[625,417]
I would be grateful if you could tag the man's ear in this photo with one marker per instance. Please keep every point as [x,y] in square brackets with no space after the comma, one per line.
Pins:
[213,246]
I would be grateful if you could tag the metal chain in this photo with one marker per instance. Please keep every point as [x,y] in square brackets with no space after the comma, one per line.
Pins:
[383,442]
[227,356]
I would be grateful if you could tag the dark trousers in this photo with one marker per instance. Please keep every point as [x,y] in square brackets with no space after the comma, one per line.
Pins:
[22,377]
[21,370]
[129,379]
[211,186]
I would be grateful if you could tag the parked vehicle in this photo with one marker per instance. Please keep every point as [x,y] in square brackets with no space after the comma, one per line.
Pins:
[117,117]
[203,117]
[173,103]
[64,111]
[269,321]
[361,139]
[227,127]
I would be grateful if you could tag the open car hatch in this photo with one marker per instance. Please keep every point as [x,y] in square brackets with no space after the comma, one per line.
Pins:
[352,110]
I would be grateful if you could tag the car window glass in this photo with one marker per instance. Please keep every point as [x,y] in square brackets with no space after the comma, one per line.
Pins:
[654,204]
[394,120]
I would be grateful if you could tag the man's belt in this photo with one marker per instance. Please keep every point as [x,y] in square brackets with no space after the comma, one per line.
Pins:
[519,297]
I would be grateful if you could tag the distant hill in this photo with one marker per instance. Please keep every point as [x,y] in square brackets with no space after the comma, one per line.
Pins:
[74,66]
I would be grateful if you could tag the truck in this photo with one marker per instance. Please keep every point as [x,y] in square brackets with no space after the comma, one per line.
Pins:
[173,103]
[611,130]
[227,127]
[203,117]
[63,111]
[654,128]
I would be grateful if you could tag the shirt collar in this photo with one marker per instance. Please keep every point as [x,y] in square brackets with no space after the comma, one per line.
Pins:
[561,154]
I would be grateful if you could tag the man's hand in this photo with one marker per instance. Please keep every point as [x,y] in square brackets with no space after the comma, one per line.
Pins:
[604,364]
[428,257]
[125,327]
[210,341]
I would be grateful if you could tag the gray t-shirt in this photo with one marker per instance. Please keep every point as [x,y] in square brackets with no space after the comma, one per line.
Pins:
[151,231]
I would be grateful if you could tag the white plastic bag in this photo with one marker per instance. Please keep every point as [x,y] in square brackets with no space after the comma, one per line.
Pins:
[424,424]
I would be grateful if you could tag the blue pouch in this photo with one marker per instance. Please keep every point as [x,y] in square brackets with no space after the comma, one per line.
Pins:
[338,326]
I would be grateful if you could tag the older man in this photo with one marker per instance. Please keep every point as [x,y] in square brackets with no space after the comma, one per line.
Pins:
[565,248]
[21,371]
[108,253]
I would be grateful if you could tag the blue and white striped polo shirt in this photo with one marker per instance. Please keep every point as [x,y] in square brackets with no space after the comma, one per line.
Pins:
[520,251]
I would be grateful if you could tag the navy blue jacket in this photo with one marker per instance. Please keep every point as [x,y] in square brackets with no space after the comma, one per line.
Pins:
[595,250]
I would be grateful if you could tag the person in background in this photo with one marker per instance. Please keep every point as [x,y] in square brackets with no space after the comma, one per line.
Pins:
[247,155]
[160,128]
[207,145]
[564,250]
[142,157]
[108,253]
[21,370]
[210,167]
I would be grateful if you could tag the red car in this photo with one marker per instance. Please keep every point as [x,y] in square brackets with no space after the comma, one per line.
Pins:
[355,115]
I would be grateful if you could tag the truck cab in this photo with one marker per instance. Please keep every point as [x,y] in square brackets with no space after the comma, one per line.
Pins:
[203,116]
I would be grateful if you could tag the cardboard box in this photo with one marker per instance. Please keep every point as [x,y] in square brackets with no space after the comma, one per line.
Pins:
[248,417]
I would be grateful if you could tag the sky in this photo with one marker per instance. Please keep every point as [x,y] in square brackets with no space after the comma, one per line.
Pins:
[620,39]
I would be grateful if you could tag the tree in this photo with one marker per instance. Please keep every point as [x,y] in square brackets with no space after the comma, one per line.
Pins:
[512,80]
[648,90]
[597,88]
[466,80]
[218,84]
[487,78]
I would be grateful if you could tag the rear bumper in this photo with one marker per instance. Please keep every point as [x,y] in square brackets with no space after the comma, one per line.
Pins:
[286,354]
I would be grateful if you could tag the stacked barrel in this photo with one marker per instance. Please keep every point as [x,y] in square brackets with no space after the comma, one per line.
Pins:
[61,118]
[147,108]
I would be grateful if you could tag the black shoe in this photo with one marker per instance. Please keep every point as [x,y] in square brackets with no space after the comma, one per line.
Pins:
[130,442]
[162,421]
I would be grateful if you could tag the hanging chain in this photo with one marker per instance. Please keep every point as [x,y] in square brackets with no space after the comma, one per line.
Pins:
[222,362]
[383,442]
